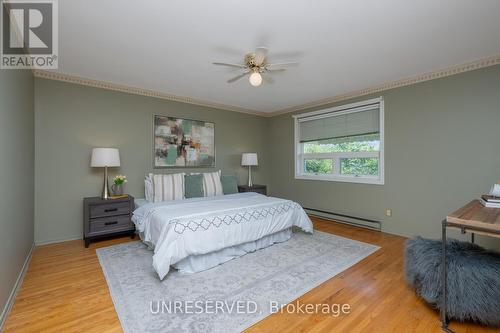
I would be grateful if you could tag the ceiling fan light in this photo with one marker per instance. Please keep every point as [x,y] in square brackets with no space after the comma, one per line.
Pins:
[255,79]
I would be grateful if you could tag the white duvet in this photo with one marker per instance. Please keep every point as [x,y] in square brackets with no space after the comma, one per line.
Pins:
[178,229]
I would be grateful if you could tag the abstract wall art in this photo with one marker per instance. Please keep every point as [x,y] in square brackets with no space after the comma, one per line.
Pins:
[183,143]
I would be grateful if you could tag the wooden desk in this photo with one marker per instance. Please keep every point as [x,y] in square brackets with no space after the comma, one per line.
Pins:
[473,218]
[476,218]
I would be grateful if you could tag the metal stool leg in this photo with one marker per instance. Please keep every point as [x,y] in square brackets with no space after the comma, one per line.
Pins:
[444,319]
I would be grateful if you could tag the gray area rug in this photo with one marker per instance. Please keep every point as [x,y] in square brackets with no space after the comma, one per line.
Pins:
[230,297]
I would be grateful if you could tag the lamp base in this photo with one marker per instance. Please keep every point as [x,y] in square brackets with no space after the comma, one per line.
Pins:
[250,184]
[105,188]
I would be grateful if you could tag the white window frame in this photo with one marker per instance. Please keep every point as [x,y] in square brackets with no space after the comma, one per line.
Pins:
[336,157]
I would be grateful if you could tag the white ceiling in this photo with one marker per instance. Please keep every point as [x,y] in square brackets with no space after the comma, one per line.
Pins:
[342,45]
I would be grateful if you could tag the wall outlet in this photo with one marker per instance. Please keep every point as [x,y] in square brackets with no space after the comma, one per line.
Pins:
[388,212]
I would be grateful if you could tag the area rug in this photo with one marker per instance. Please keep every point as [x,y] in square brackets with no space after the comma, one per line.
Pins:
[230,297]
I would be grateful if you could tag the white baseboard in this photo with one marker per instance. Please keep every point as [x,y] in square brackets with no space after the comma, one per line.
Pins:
[47,242]
[15,289]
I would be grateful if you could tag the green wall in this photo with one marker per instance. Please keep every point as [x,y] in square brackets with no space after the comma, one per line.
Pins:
[442,149]
[71,119]
[16,177]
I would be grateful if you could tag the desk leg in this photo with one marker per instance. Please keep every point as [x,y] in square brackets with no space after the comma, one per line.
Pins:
[444,319]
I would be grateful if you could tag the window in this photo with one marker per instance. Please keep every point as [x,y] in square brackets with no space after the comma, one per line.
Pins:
[341,144]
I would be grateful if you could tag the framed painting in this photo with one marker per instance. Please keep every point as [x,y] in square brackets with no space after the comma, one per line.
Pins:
[183,143]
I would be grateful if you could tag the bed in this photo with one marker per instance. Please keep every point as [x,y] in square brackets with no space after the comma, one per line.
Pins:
[196,234]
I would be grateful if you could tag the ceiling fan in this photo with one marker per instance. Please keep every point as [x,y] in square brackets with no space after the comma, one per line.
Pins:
[255,64]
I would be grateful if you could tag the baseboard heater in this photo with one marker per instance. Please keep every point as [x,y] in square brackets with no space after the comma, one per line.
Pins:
[347,219]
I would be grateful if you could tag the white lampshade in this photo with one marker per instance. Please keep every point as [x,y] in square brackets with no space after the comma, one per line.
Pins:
[249,159]
[105,157]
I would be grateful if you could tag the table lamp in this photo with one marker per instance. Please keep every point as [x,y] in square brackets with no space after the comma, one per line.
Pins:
[104,158]
[249,160]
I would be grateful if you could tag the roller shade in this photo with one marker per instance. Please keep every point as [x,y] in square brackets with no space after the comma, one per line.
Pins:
[340,125]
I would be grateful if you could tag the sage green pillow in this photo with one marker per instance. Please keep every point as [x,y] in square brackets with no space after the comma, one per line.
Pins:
[193,186]
[229,184]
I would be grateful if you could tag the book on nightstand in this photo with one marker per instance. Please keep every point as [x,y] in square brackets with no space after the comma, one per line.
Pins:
[119,196]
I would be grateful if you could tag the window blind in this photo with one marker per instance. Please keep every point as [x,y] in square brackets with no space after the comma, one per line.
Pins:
[341,124]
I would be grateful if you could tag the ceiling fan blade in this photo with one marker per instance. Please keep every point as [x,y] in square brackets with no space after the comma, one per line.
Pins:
[283,64]
[260,55]
[275,69]
[268,79]
[228,64]
[236,78]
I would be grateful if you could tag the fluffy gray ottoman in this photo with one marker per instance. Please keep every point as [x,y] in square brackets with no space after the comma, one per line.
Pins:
[473,278]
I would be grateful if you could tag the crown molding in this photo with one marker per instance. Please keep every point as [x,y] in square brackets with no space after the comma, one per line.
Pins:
[466,67]
[50,75]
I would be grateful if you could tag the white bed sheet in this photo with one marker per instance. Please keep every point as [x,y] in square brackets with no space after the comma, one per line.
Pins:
[202,262]
[140,202]
[176,230]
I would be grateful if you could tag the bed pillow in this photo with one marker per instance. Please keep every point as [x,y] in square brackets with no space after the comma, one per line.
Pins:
[168,187]
[148,189]
[193,186]
[229,184]
[211,184]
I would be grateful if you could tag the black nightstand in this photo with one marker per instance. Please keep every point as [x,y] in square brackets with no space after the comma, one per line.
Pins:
[103,218]
[262,189]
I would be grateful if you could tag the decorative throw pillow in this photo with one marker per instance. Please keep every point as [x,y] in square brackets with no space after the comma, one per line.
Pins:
[168,187]
[193,186]
[211,184]
[148,189]
[229,184]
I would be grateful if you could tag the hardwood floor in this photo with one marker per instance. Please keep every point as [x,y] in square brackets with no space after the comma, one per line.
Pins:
[65,291]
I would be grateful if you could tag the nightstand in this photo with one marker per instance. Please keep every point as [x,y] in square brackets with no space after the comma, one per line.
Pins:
[262,189]
[104,218]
